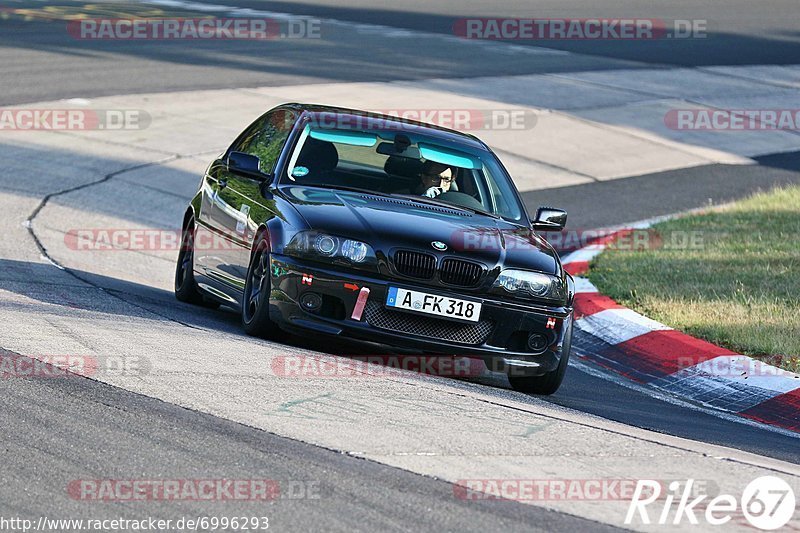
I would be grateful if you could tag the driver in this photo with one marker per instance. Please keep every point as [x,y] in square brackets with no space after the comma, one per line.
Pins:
[435,179]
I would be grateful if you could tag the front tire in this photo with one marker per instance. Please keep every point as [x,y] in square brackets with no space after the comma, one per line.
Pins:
[550,382]
[255,301]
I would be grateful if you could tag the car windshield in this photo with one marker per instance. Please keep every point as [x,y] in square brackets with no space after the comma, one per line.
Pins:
[406,164]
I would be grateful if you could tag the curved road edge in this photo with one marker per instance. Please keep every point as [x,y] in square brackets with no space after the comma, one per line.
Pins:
[647,352]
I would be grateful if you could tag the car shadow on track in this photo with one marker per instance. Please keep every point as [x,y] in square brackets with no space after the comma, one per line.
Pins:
[47,289]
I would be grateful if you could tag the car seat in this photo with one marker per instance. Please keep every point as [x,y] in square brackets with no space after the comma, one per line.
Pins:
[320,158]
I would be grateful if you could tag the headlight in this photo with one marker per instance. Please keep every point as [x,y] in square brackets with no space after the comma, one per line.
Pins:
[535,284]
[326,245]
[316,244]
[355,251]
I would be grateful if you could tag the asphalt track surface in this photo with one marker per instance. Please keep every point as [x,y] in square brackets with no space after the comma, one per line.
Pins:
[739,32]
[65,429]
[42,62]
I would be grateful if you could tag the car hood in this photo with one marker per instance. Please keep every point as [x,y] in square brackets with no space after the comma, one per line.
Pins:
[388,223]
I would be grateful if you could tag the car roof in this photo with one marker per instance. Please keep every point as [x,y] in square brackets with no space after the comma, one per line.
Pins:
[397,124]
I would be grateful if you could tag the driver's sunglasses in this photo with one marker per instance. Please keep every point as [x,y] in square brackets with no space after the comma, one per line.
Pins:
[437,177]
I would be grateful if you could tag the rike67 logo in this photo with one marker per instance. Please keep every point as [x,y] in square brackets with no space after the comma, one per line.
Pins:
[767,503]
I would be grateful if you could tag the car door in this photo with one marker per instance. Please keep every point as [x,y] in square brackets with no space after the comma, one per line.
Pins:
[206,237]
[239,206]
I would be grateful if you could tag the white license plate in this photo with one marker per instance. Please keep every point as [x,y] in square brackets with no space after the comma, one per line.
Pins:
[431,304]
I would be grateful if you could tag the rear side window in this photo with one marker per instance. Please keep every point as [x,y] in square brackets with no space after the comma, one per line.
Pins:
[266,137]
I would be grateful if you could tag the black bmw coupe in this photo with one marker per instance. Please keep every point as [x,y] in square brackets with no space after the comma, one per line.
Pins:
[371,227]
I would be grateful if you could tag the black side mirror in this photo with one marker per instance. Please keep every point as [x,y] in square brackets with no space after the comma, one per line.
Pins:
[550,219]
[246,165]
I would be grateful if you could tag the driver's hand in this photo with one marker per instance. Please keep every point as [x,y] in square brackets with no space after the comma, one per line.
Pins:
[433,192]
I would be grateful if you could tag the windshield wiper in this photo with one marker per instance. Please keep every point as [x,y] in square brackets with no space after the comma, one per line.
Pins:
[433,201]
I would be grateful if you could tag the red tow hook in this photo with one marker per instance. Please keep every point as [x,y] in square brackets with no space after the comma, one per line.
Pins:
[361,302]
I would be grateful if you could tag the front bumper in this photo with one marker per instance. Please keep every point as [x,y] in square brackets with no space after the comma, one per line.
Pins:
[500,338]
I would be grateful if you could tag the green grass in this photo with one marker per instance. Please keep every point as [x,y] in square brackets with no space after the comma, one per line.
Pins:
[730,276]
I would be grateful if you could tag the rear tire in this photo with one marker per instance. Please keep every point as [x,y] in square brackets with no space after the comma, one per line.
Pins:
[255,300]
[186,289]
[548,383]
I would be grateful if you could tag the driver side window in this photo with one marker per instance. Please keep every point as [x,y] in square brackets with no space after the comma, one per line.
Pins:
[266,138]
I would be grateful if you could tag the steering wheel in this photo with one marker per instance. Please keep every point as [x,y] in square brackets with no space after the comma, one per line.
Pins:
[462,199]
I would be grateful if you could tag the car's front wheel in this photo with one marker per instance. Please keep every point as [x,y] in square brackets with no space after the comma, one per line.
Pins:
[549,382]
[255,302]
